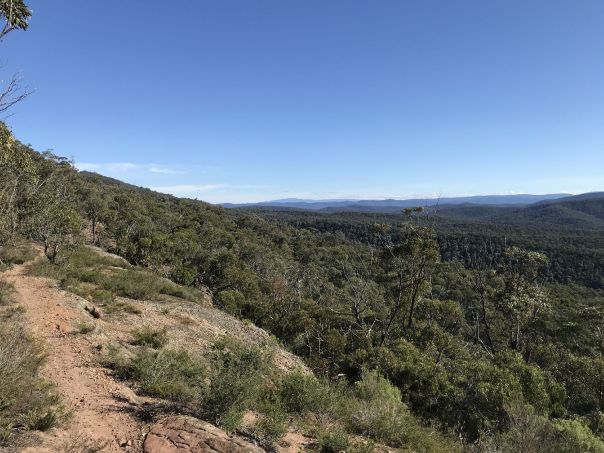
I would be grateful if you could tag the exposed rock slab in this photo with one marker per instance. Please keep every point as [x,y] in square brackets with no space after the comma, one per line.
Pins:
[180,434]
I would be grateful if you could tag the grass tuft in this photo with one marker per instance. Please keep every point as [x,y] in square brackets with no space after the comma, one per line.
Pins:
[152,338]
[25,399]
[84,328]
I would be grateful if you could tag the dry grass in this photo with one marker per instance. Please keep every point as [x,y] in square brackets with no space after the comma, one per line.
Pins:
[18,253]
[26,401]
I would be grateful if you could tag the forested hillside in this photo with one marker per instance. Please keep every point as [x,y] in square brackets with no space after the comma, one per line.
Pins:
[569,231]
[471,335]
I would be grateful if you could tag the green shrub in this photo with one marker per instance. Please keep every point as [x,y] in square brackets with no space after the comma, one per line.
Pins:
[132,284]
[143,285]
[528,431]
[173,375]
[335,440]
[302,392]
[121,307]
[230,300]
[220,387]
[184,275]
[375,388]
[101,297]
[545,395]
[85,257]
[272,422]
[235,381]
[153,338]
[375,410]
[84,328]
[574,435]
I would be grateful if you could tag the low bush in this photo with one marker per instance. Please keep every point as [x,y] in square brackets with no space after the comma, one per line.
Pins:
[108,277]
[530,431]
[84,328]
[118,306]
[237,373]
[41,419]
[272,422]
[153,338]
[143,285]
[302,392]
[173,375]
[574,435]
[375,410]
[220,387]
[334,440]
[101,297]
[18,253]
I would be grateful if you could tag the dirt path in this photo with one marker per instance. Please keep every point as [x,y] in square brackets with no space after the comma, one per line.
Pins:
[103,410]
[106,414]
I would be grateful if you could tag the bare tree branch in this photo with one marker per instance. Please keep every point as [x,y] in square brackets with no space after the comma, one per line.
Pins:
[13,93]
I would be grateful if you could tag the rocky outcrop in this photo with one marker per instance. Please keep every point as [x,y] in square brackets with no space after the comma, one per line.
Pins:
[180,434]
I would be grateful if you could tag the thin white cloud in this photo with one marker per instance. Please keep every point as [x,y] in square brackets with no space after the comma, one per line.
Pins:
[189,189]
[112,167]
[215,193]
[167,171]
[124,167]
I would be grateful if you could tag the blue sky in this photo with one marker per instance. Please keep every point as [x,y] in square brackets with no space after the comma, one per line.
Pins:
[250,100]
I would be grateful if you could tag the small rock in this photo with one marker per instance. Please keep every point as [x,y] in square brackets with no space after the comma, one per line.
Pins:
[127,395]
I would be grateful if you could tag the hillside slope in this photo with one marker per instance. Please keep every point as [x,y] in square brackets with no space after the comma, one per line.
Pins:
[583,211]
[107,414]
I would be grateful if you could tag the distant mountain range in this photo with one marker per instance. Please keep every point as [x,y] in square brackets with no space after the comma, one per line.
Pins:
[585,210]
[578,212]
[393,205]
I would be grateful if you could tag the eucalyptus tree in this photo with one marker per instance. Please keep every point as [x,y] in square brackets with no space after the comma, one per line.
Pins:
[17,179]
[523,298]
[408,265]
[16,165]
[51,214]
[14,15]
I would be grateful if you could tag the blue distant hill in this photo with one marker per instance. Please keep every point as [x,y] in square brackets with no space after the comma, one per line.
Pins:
[391,205]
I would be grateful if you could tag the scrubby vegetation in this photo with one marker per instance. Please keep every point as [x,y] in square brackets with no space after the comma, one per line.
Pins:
[27,402]
[234,379]
[100,279]
[173,375]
